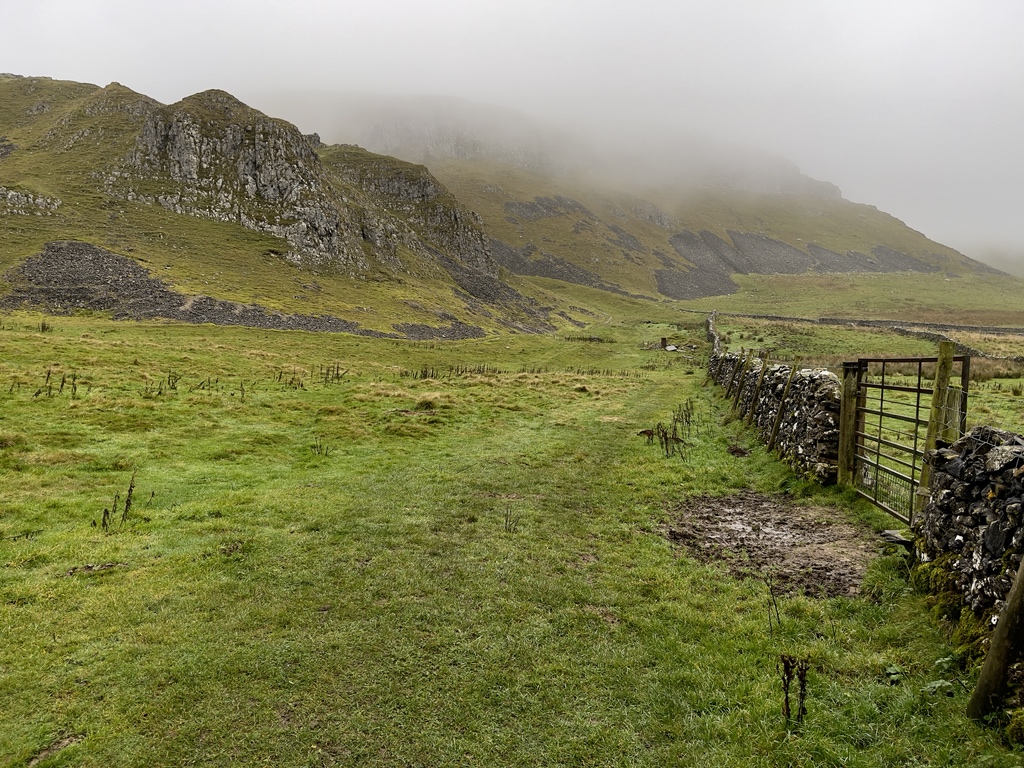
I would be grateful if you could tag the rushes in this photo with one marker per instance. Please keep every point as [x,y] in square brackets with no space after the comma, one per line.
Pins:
[512,520]
[106,520]
[791,667]
[676,435]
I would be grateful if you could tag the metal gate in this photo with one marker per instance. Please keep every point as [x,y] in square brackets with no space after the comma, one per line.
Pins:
[893,410]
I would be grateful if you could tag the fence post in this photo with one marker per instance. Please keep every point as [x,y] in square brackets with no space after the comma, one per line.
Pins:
[757,389]
[735,370]
[714,363]
[1004,647]
[943,369]
[848,425]
[782,408]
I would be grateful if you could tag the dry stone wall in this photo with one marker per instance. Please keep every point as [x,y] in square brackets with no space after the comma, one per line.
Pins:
[808,431]
[973,516]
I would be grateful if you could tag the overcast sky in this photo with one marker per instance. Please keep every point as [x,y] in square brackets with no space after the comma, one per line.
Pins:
[916,107]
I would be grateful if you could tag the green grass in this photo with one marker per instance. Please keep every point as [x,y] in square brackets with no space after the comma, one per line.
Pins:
[966,300]
[474,574]
[825,346]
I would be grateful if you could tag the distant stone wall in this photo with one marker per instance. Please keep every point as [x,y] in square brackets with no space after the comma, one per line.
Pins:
[973,518]
[919,330]
[808,433]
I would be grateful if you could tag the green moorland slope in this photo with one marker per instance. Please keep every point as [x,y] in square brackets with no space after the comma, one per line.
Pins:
[217,199]
[826,252]
[352,551]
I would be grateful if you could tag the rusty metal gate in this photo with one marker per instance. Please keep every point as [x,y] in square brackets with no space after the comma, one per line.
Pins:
[893,408]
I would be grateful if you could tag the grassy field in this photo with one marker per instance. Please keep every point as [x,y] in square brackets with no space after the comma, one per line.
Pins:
[346,551]
[906,297]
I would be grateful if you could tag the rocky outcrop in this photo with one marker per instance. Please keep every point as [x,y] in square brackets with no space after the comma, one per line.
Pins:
[530,261]
[710,262]
[423,203]
[337,208]
[228,162]
[14,202]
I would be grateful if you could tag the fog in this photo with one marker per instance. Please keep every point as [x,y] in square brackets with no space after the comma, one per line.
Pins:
[916,107]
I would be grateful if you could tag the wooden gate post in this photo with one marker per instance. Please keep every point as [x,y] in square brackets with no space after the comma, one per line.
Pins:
[943,369]
[848,425]
[950,429]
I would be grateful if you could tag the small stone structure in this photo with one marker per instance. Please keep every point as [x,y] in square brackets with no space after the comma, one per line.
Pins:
[974,513]
[808,433]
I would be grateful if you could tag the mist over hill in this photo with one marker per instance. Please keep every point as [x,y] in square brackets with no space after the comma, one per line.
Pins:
[487,213]
[427,129]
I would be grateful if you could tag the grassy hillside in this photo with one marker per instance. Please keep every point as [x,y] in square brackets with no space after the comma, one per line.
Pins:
[332,560]
[64,142]
[592,237]
[977,299]
[69,138]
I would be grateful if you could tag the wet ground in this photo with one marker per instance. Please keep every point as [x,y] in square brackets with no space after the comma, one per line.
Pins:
[800,549]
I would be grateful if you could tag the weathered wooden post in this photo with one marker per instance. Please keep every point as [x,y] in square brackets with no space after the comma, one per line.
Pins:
[950,427]
[714,365]
[757,389]
[743,379]
[848,425]
[782,408]
[1004,647]
[735,371]
[943,369]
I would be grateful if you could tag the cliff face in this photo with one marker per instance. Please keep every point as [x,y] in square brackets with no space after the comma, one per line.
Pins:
[212,156]
[419,199]
[228,162]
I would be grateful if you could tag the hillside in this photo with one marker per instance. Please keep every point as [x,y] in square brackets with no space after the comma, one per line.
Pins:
[660,216]
[683,244]
[215,198]
[226,213]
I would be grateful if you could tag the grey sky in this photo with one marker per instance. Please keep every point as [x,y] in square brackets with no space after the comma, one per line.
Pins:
[916,107]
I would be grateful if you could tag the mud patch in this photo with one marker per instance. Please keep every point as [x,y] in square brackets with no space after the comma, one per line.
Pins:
[804,550]
[91,568]
[53,749]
